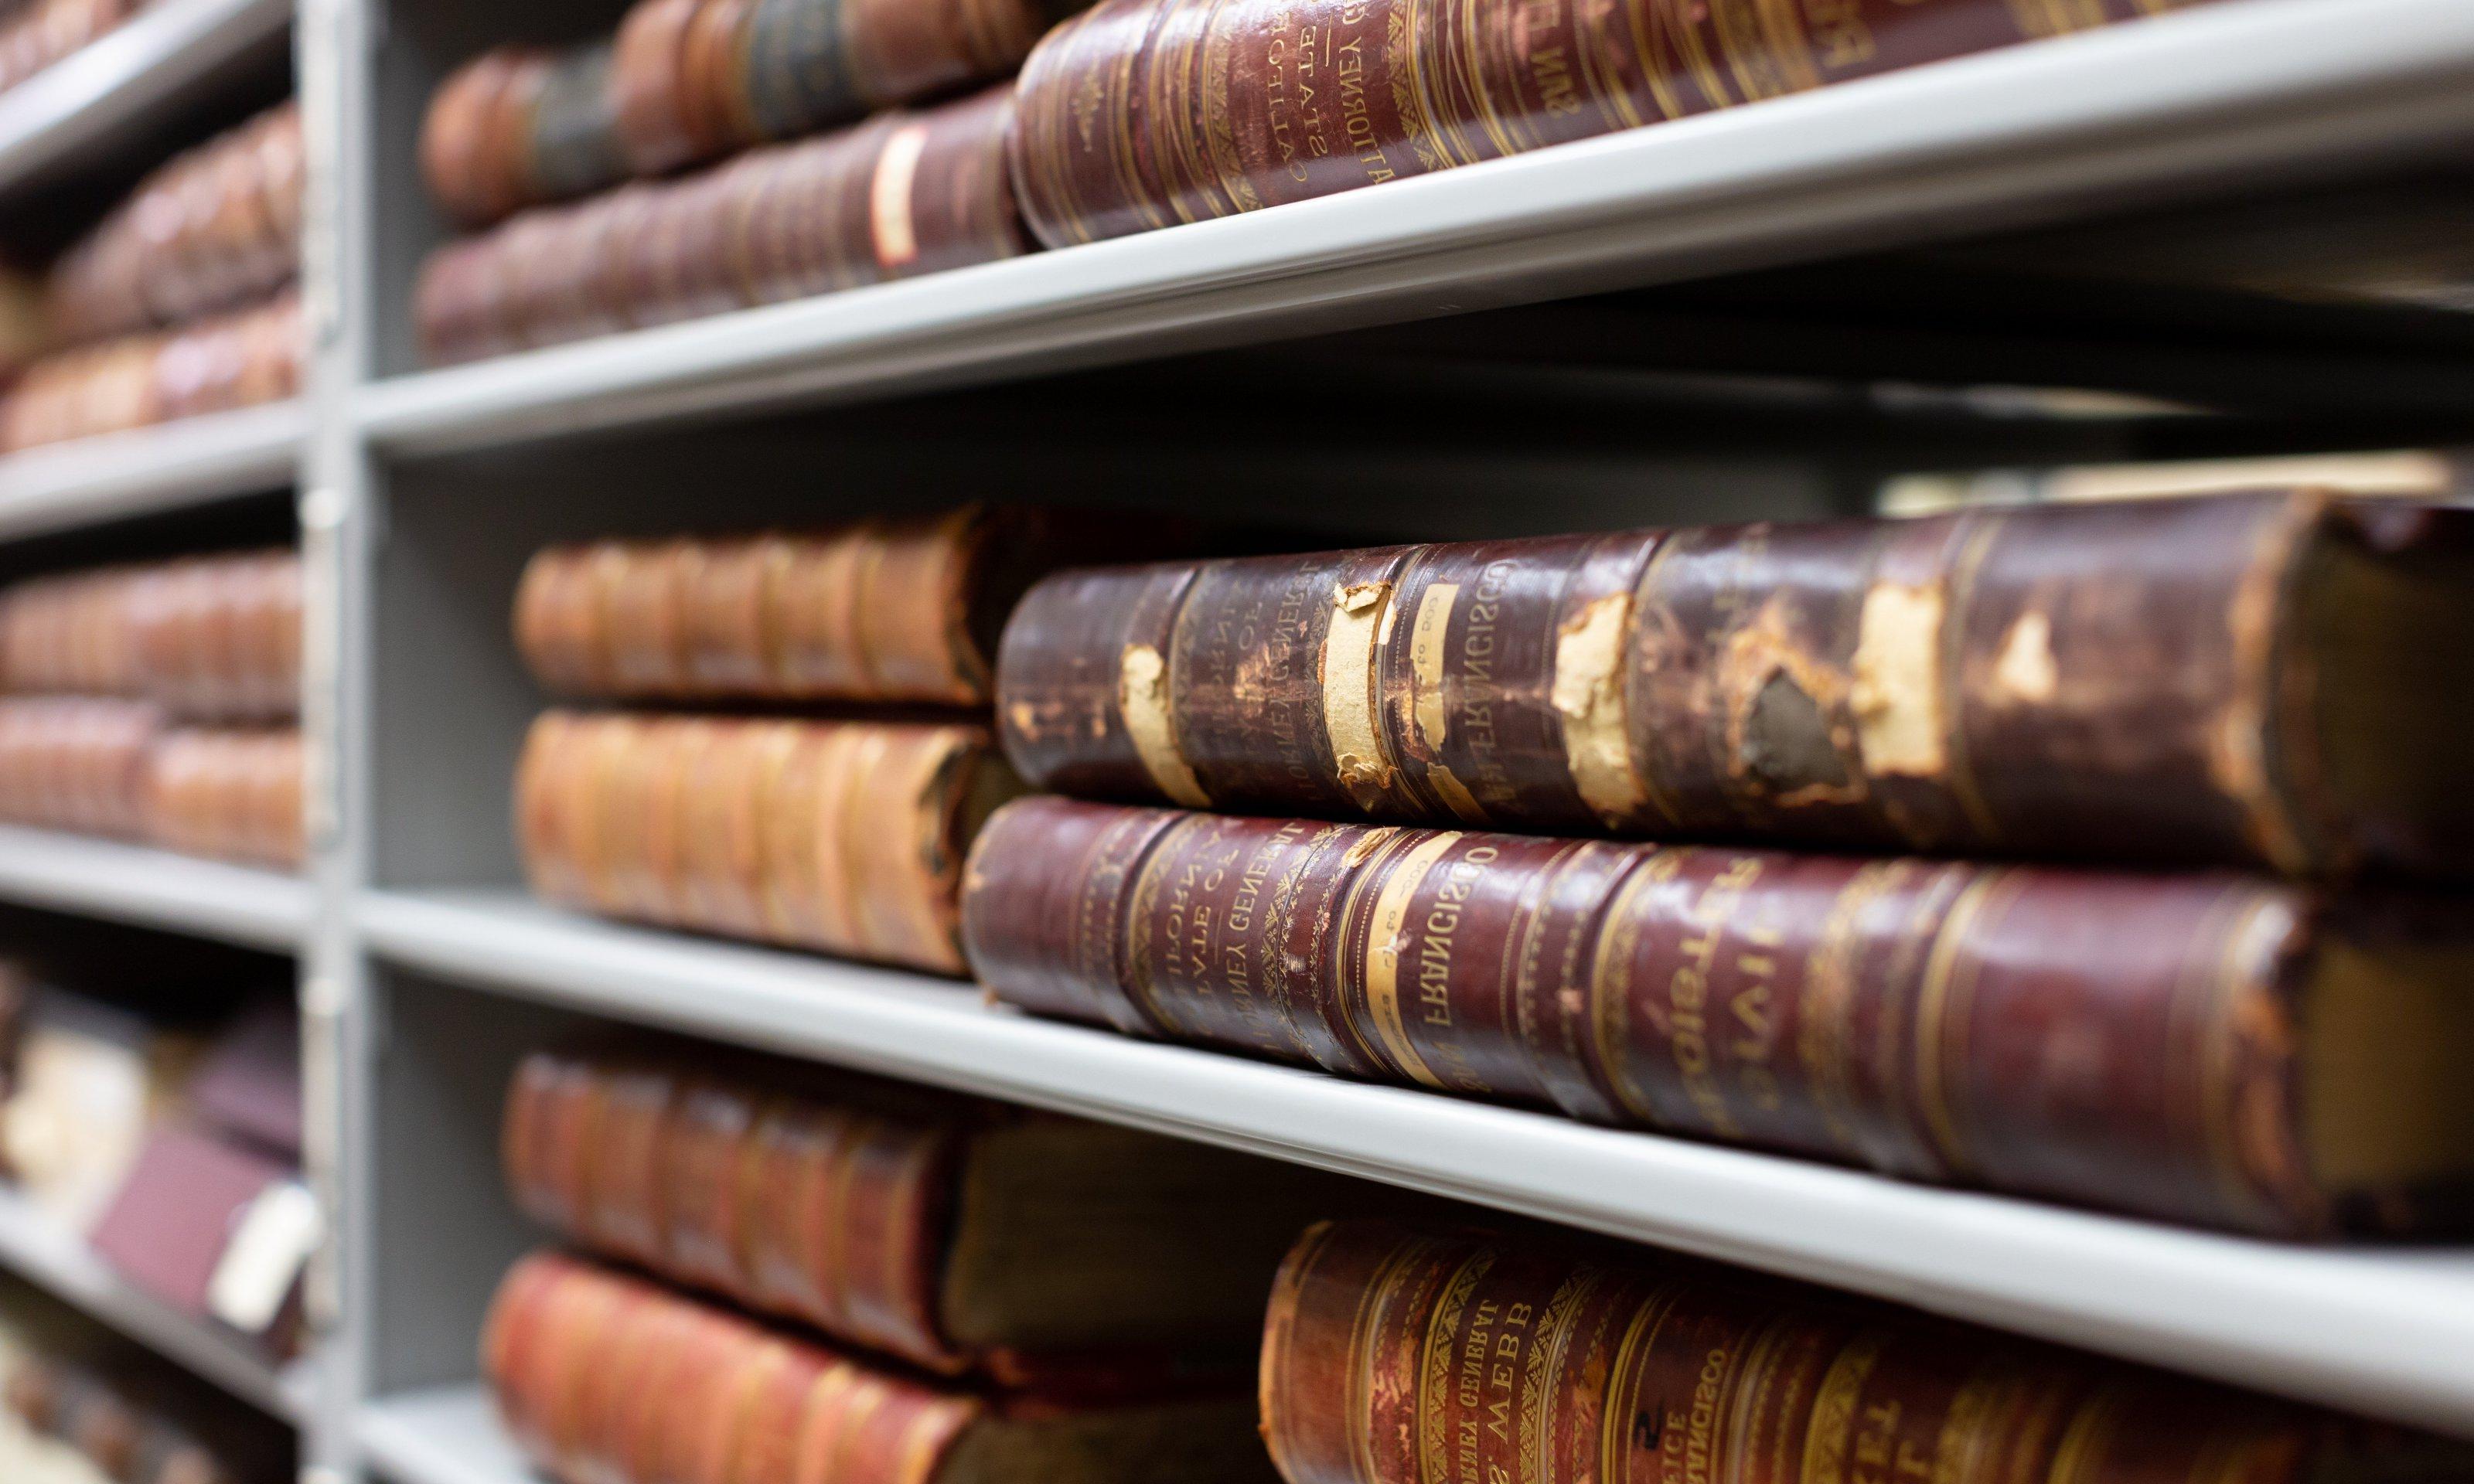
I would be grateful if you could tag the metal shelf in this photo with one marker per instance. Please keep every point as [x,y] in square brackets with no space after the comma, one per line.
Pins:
[193,462]
[125,79]
[43,1253]
[2384,1332]
[2273,89]
[448,1435]
[131,883]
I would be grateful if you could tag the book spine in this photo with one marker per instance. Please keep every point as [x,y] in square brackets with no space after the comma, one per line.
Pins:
[685,82]
[843,836]
[76,763]
[2116,681]
[602,1376]
[217,227]
[832,1215]
[899,610]
[1204,111]
[1141,114]
[1393,1355]
[903,194]
[245,358]
[227,793]
[209,637]
[2117,1040]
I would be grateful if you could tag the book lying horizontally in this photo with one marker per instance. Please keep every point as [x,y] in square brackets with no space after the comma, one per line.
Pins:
[2208,1047]
[959,1236]
[1432,1356]
[2277,679]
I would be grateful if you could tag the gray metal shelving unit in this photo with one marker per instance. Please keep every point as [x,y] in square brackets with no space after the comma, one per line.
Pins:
[419,493]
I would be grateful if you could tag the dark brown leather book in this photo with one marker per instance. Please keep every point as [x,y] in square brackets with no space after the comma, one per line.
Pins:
[904,609]
[1398,1356]
[2212,1048]
[2275,680]
[604,1377]
[1141,113]
[900,195]
[217,227]
[689,80]
[137,1419]
[843,836]
[961,1236]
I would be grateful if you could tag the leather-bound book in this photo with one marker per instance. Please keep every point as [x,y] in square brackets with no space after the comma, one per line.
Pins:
[217,227]
[959,1236]
[904,609]
[77,763]
[846,837]
[900,195]
[244,358]
[2275,680]
[232,795]
[1143,113]
[210,638]
[1401,1355]
[603,1376]
[689,80]
[2211,1048]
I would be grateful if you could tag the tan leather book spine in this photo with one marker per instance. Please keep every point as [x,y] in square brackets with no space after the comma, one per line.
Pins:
[2255,680]
[602,1376]
[1139,114]
[688,821]
[242,358]
[1393,1355]
[76,763]
[901,194]
[232,794]
[833,1214]
[904,609]
[215,228]
[2144,1043]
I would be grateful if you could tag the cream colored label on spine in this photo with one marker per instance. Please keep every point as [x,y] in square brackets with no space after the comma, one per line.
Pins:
[1897,696]
[1588,695]
[1358,619]
[1142,699]
[889,196]
[1384,942]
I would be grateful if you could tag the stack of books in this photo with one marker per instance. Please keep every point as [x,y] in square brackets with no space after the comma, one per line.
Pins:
[157,701]
[179,302]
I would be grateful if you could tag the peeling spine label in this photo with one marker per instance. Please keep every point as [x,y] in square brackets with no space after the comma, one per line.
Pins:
[1142,698]
[1358,617]
[1588,696]
[1898,696]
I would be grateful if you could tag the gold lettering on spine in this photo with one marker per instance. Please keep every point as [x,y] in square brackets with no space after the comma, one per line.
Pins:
[1143,698]
[1833,1411]
[1542,1371]
[1388,934]
[1588,694]
[1435,1370]
[1360,614]
[1824,1038]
